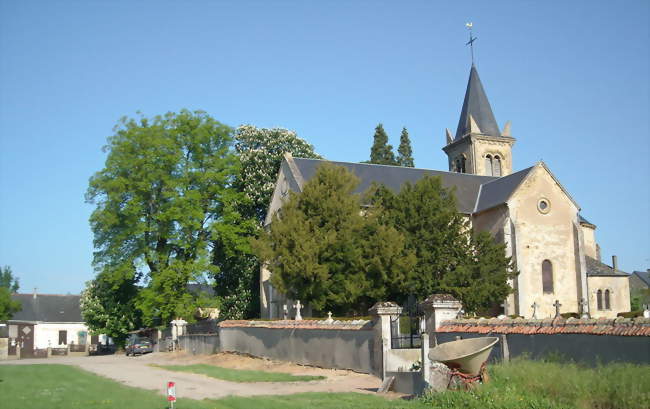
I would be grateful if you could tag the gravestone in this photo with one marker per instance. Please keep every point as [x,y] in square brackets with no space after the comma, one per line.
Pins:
[535,306]
[298,306]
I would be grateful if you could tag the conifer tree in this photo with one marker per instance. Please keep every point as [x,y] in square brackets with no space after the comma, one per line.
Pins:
[324,252]
[381,152]
[474,269]
[404,152]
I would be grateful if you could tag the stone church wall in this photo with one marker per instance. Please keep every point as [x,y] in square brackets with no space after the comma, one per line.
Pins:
[544,235]
[619,289]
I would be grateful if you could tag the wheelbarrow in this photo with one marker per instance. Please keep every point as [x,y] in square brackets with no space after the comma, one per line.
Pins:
[466,358]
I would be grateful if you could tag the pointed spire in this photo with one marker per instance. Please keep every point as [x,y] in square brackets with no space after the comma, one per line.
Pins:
[450,138]
[506,130]
[477,107]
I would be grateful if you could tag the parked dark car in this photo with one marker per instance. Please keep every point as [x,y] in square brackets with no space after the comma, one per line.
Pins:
[138,346]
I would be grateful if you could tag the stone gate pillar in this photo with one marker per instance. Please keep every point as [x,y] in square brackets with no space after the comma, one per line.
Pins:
[381,314]
[438,308]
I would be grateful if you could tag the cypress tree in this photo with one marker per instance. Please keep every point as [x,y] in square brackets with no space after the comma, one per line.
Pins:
[405,153]
[381,152]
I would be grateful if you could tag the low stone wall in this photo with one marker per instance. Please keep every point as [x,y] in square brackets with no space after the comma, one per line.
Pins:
[340,344]
[588,341]
[199,344]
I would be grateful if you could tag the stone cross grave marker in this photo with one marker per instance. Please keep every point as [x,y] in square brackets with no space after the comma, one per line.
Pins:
[535,306]
[298,306]
[584,313]
[329,319]
[557,306]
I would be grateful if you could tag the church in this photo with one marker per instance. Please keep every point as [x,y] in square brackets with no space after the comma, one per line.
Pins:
[554,248]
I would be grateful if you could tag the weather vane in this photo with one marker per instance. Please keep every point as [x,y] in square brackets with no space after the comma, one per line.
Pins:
[470,43]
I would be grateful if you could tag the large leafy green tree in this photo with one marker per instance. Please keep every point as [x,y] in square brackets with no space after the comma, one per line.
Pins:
[8,285]
[324,251]
[381,153]
[159,201]
[405,152]
[260,152]
[450,259]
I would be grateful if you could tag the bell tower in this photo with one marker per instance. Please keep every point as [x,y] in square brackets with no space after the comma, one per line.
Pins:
[479,147]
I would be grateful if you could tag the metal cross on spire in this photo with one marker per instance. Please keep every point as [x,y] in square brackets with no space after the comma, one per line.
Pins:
[470,43]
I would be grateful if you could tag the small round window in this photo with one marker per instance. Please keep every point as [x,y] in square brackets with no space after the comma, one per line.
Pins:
[544,206]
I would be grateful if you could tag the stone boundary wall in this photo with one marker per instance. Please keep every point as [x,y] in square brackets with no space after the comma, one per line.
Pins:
[603,326]
[302,324]
[337,344]
[587,341]
[199,344]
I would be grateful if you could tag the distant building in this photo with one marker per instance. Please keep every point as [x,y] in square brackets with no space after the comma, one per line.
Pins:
[46,320]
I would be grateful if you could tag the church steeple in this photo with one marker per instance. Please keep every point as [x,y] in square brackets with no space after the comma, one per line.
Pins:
[479,147]
[477,107]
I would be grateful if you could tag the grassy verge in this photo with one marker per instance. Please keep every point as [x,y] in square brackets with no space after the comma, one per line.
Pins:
[54,386]
[239,375]
[549,385]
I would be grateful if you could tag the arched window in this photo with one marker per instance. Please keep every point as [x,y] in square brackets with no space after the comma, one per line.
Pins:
[488,165]
[462,164]
[599,299]
[496,166]
[547,276]
[457,165]
[607,306]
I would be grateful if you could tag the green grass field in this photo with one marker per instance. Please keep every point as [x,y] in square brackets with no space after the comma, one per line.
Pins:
[67,387]
[518,385]
[551,385]
[239,375]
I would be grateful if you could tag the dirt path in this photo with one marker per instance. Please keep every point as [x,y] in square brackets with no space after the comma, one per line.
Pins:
[137,372]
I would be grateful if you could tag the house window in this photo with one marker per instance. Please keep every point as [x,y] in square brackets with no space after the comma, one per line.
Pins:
[63,337]
[496,166]
[547,276]
[607,305]
[488,165]
[599,299]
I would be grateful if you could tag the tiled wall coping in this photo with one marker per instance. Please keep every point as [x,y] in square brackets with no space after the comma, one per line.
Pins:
[304,324]
[602,326]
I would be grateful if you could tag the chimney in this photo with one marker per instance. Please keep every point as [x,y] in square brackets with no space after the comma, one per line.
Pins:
[35,288]
[614,263]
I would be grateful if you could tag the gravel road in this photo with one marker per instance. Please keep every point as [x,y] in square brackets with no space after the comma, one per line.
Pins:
[137,372]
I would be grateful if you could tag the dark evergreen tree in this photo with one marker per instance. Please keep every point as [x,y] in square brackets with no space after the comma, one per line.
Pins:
[323,251]
[473,269]
[405,152]
[381,152]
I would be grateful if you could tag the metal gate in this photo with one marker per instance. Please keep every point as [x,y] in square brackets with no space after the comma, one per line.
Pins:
[405,329]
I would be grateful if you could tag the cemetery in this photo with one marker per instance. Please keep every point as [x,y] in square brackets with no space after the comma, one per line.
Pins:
[440,351]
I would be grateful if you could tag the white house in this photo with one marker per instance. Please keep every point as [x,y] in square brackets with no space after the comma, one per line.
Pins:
[46,320]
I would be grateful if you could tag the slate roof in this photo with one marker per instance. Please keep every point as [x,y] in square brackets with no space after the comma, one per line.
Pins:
[596,268]
[477,105]
[48,308]
[467,186]
[585,221]
[644,276]
[498,191]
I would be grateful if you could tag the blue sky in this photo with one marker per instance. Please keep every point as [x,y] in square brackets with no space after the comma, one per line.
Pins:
[572,77]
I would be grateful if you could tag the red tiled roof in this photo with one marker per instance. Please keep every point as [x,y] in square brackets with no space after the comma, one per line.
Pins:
[304,324]
[602,326]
